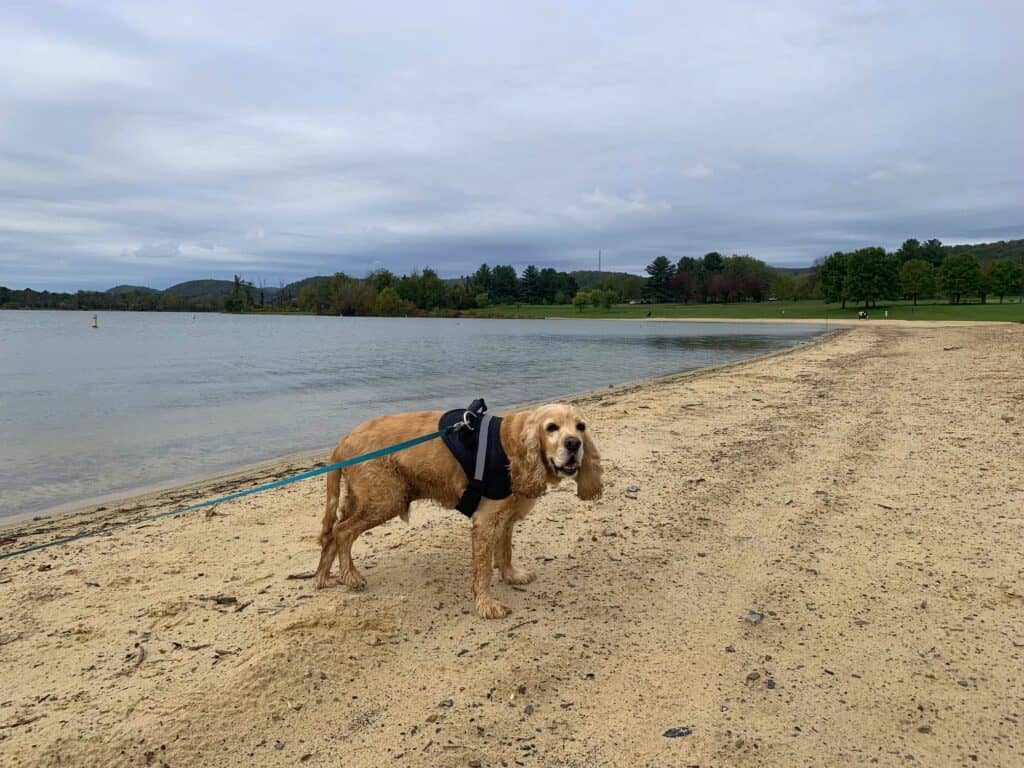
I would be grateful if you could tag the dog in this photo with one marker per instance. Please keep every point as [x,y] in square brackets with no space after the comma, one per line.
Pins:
[544,446]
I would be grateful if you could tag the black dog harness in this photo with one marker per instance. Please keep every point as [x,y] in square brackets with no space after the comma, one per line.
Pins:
[476,445]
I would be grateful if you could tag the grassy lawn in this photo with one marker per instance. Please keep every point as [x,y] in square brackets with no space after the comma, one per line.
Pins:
[1012,311]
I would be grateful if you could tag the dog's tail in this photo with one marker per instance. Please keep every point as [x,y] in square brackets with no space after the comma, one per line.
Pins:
[333,500]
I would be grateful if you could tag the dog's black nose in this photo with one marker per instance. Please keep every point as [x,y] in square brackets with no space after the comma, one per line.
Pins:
[572,443]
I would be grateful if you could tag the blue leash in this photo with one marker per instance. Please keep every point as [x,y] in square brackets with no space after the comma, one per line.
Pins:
[248,491]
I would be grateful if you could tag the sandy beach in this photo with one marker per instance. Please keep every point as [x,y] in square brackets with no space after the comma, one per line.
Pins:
[813,558]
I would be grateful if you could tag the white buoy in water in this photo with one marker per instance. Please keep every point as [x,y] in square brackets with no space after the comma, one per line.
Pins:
[95,322]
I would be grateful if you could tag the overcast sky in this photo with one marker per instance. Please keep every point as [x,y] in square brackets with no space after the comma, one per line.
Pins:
[154,143]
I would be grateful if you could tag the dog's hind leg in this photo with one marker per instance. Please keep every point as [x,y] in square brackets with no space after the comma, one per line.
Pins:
[327,542]
[388,501]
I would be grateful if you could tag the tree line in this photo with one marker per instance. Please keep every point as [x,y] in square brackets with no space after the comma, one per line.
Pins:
[382,292]
[138,301]
[713,278]
[916,270]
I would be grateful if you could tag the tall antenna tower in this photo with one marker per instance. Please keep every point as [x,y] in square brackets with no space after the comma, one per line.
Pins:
[598,259]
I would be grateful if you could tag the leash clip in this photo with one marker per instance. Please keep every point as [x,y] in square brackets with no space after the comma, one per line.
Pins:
[476,409]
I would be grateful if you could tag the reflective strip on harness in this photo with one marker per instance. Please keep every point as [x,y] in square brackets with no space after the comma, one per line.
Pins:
[481,448]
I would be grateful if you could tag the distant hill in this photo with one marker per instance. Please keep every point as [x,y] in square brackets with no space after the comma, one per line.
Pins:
[201,289]
[292,289]
[585,278]
[1004,249]
[118,289]
[210,289]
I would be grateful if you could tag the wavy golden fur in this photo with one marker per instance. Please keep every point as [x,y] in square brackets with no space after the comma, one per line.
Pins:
[544,445]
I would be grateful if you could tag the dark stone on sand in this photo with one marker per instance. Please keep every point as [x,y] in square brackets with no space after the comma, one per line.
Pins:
[675,733]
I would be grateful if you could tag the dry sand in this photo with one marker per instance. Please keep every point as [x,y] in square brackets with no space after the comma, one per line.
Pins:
[863,493]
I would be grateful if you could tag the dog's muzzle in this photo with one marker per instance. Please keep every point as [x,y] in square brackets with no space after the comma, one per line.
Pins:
[570,466]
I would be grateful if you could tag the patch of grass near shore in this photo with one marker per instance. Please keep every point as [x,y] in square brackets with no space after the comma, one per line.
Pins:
[1012,311]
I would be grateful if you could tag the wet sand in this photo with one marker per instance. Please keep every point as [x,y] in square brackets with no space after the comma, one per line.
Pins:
[863,495]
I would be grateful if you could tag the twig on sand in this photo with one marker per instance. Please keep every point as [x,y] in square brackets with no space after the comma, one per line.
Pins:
[522,624]
[219,599]
[21,721]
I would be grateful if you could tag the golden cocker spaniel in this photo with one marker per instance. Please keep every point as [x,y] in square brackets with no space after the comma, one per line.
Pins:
[544,446]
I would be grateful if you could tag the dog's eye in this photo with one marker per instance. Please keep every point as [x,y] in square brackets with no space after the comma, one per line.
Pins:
[551,427]
[580,427]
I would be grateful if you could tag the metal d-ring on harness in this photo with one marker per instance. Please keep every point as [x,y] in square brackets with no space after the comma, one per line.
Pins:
[469,417]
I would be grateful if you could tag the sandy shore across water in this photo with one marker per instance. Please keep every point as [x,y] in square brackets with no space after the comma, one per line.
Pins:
[864,495]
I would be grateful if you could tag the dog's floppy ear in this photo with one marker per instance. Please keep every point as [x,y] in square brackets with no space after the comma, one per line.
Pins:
[588,482]
[525,460]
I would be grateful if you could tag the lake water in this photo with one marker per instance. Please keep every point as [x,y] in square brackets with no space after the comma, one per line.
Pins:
[147,399]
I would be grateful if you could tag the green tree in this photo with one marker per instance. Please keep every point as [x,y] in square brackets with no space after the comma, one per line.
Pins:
[1004,278]
[389,303]
[424,289]
[659,281]
[381,279]
[308,299]
[432,290]
[832,278]
[713,262]
[752,276]
[482,279]
[550,284]
[911,249]
[932,251]
[504,284]
[240,299]
[567,286]
[871,274]
[804,286]
[917,278]
[530,286]
[959,275]
[603,299]
[783,286]
[347,295]
[581,300]
[689,264]
[458,296]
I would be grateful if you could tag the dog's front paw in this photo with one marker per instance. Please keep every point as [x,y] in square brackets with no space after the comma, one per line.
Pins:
[518,576]
[354,580]
[324,580]
[491,609]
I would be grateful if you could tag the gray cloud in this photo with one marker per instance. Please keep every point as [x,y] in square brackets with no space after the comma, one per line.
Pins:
[151,143]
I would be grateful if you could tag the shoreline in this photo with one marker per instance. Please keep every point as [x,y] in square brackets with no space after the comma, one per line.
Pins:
[840,322]
[148,499]
[115,507]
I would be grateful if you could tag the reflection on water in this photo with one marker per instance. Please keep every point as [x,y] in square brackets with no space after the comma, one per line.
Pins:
[151,398]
